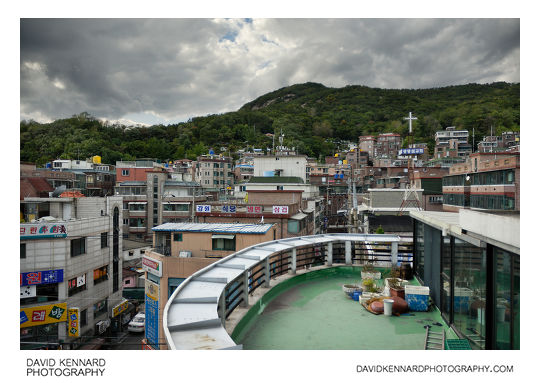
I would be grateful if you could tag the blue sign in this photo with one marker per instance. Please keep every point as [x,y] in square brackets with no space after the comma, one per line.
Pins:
[42,277]
[228,209]
[151,325]
[203,209]
[411,151]
[24,318]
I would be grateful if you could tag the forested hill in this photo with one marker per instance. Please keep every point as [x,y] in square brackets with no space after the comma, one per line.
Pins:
[315,119]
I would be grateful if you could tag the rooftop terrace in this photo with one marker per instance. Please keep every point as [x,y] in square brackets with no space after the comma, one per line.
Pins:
[207,310]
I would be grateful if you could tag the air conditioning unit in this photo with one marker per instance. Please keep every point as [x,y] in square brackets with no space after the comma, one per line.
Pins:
[184,254]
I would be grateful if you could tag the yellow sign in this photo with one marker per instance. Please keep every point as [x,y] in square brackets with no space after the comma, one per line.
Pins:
[39,315]
[344,162]
[74,320]
[246,198]
[119,309]
[152,290]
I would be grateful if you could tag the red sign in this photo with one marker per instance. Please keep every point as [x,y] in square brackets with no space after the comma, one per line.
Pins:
[254,209]
[38,316]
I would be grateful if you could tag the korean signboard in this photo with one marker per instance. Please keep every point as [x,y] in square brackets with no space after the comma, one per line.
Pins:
[153,266]
[151,303]
[411,151]
[39,315]
[73,317]
[43,230]
[280,209]
[228,209]
[203,208]
[42,277]
[119,309]
[254,209]
[28,291]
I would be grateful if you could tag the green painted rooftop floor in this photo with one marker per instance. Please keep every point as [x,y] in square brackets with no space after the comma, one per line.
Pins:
[314,313]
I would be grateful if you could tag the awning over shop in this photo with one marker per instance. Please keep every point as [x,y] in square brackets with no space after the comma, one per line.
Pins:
[299,216]
[223,236]
[138,203]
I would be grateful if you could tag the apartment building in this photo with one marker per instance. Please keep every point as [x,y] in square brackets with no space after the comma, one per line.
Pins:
[156,199]
[485,181]
[281,166]
[388,145]
[367,144]
[452,143]
[506,141]
[70,271]
[214,172]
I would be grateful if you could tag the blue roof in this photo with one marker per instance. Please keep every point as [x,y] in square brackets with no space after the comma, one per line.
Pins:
[242,228]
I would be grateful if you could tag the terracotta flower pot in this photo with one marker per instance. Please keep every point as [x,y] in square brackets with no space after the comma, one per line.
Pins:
[397,293]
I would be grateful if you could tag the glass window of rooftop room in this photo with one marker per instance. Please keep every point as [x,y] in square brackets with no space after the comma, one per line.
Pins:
[78,246]
[125,172]
[470,291]
[419,248]
[224,244]
[177,237]
[506,300]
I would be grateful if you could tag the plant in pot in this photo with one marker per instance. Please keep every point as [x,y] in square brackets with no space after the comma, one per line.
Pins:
[368,270]
[369,285]
[395,284]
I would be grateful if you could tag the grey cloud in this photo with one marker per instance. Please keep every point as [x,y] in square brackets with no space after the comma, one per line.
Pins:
[178,68]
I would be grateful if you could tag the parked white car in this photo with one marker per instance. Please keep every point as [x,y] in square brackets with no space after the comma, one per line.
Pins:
[137,323]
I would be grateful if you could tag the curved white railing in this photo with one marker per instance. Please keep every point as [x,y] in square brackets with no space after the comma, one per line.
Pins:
[194,315]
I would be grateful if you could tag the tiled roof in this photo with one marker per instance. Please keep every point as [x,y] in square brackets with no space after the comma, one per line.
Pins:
[34,187]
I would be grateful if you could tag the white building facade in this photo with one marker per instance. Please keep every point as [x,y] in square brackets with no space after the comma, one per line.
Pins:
[70,272]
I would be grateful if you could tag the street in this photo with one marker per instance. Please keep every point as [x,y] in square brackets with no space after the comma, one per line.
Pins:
[132,341]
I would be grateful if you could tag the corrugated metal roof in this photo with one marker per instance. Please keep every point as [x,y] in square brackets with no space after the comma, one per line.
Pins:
[214,227]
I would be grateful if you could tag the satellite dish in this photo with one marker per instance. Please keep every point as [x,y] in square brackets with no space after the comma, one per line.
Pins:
[59,190]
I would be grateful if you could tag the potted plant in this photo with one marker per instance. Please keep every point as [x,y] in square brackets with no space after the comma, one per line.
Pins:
[370,289]
[395,284]
[368,270]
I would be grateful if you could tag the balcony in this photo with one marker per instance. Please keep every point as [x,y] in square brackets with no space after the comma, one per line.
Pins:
[225,295]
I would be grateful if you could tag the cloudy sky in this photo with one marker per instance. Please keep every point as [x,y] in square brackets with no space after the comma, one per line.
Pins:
[152,71]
